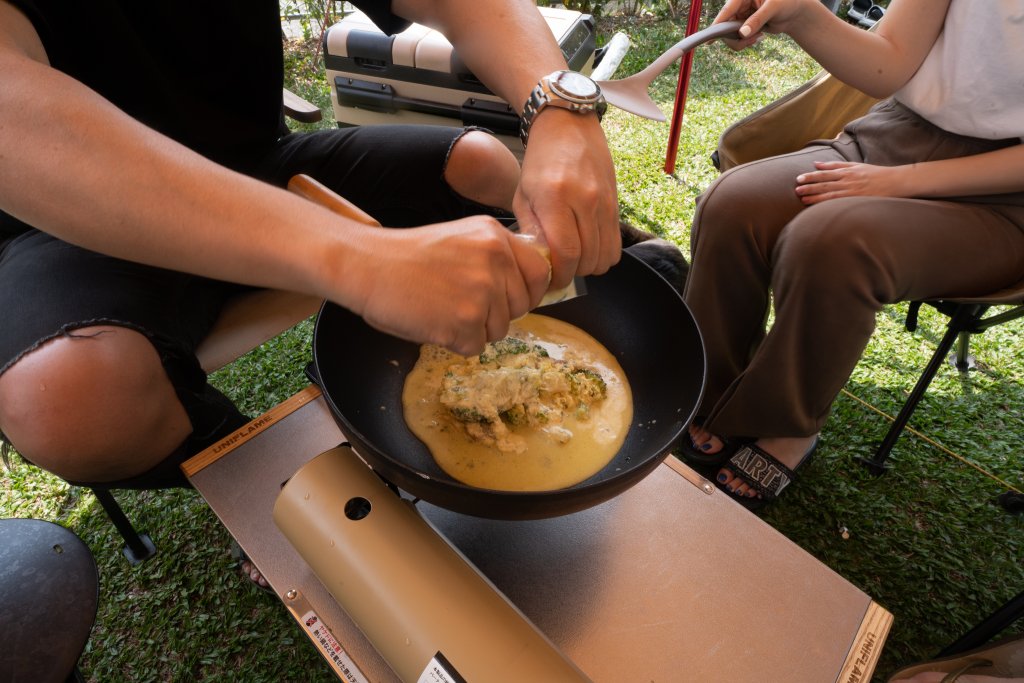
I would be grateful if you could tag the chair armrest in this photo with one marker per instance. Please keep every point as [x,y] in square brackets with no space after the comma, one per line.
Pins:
[250,319]
[299,109]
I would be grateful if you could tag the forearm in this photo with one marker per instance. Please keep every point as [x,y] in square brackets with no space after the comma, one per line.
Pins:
[997,172]
[506,43]
[991,173]
[876,62]
[77,167]
[867,61]
[567,192]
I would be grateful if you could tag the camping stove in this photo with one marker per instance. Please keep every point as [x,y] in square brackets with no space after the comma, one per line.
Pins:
[428,612]
[622,588]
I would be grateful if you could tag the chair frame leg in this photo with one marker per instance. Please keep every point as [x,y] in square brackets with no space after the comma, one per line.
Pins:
[988,628]
[963,360]
[138,547]
[961,323]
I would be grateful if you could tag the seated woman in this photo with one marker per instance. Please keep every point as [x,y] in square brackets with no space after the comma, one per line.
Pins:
[921,198]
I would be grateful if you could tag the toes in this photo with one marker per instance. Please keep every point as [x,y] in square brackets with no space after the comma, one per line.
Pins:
[734,484]
[725,478]
[249,569]
[698,434]
[705,441]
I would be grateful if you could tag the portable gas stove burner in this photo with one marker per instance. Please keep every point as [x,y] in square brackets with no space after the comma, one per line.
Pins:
[429,613]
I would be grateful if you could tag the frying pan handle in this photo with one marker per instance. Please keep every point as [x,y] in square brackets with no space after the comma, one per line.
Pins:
[317,192]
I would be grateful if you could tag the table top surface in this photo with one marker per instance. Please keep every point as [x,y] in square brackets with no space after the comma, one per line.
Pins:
[669,581]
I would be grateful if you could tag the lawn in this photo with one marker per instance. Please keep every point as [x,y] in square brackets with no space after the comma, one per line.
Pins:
[926,541]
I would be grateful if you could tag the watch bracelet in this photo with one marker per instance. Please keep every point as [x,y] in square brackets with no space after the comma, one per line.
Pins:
[538,100]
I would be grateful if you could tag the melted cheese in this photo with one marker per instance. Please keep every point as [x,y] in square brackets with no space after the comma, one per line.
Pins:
[571,446]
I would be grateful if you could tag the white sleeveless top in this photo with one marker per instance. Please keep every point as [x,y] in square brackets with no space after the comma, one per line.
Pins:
[972,81]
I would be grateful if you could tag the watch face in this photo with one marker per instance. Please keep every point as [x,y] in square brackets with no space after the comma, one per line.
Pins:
[575,85]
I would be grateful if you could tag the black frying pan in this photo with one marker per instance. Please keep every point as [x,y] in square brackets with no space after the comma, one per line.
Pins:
[631,309]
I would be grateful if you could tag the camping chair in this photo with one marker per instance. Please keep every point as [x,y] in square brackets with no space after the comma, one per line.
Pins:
[818,110]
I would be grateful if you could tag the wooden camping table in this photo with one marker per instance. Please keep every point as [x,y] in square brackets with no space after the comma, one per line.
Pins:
[670,581]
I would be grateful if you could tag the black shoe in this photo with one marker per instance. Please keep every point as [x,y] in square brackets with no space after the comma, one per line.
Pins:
[666,258]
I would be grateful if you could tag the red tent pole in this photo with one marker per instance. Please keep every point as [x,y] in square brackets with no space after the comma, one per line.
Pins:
[692,24]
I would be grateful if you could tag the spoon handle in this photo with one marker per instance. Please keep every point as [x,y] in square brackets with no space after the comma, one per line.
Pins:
[727,29]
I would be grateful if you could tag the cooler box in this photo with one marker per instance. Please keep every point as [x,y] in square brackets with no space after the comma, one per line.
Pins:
[416,76]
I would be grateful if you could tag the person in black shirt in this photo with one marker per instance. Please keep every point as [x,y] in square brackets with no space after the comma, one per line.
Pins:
[142,161]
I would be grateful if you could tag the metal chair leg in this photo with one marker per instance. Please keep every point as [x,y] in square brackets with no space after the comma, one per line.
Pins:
[963,318]
[138,547]
[988,628]
[963,360]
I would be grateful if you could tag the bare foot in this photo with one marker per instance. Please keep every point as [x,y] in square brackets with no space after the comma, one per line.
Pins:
[250,569]
[247,566]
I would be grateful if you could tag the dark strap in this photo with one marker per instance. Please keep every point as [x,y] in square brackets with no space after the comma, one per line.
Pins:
[971,665]
[760,470]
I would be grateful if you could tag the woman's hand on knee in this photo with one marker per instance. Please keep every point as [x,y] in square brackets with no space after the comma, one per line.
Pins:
[835,179]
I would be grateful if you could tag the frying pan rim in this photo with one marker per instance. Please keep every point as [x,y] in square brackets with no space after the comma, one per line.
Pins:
[589,484]
[594,483]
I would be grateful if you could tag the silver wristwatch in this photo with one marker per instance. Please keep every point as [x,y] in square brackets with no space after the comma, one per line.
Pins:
[567,89]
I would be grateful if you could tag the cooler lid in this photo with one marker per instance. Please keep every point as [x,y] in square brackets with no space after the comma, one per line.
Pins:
[418,46]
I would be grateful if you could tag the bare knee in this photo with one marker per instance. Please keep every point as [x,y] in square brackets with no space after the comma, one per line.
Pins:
[482,169]
[93,405]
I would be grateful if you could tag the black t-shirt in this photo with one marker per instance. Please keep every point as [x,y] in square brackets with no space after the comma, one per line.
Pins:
[207,73]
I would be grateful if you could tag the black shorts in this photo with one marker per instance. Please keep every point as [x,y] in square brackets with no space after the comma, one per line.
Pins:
[50,288]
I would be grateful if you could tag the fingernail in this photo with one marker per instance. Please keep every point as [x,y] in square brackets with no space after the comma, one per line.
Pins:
[705,446]
[801,178]
[722,477]
[744,31]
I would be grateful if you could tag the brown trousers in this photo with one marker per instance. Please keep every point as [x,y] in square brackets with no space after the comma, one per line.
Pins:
[829,269]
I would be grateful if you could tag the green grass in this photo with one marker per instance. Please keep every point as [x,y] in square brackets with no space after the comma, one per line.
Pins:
[925,541]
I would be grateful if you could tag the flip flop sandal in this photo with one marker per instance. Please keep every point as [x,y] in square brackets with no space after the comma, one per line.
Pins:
[762,472]
[1003,658]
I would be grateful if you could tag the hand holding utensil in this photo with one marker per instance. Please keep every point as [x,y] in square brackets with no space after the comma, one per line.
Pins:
[631,93]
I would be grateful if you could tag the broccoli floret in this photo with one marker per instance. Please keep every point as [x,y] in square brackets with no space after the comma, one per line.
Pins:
[514,416]
[468,415]
[587,385]
[509,346]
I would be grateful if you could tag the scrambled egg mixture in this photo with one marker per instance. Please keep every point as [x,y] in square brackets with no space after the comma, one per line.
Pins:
[515,383]
[545,408]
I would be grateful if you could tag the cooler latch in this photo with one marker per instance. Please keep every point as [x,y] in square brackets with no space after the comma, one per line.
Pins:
[497,117]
